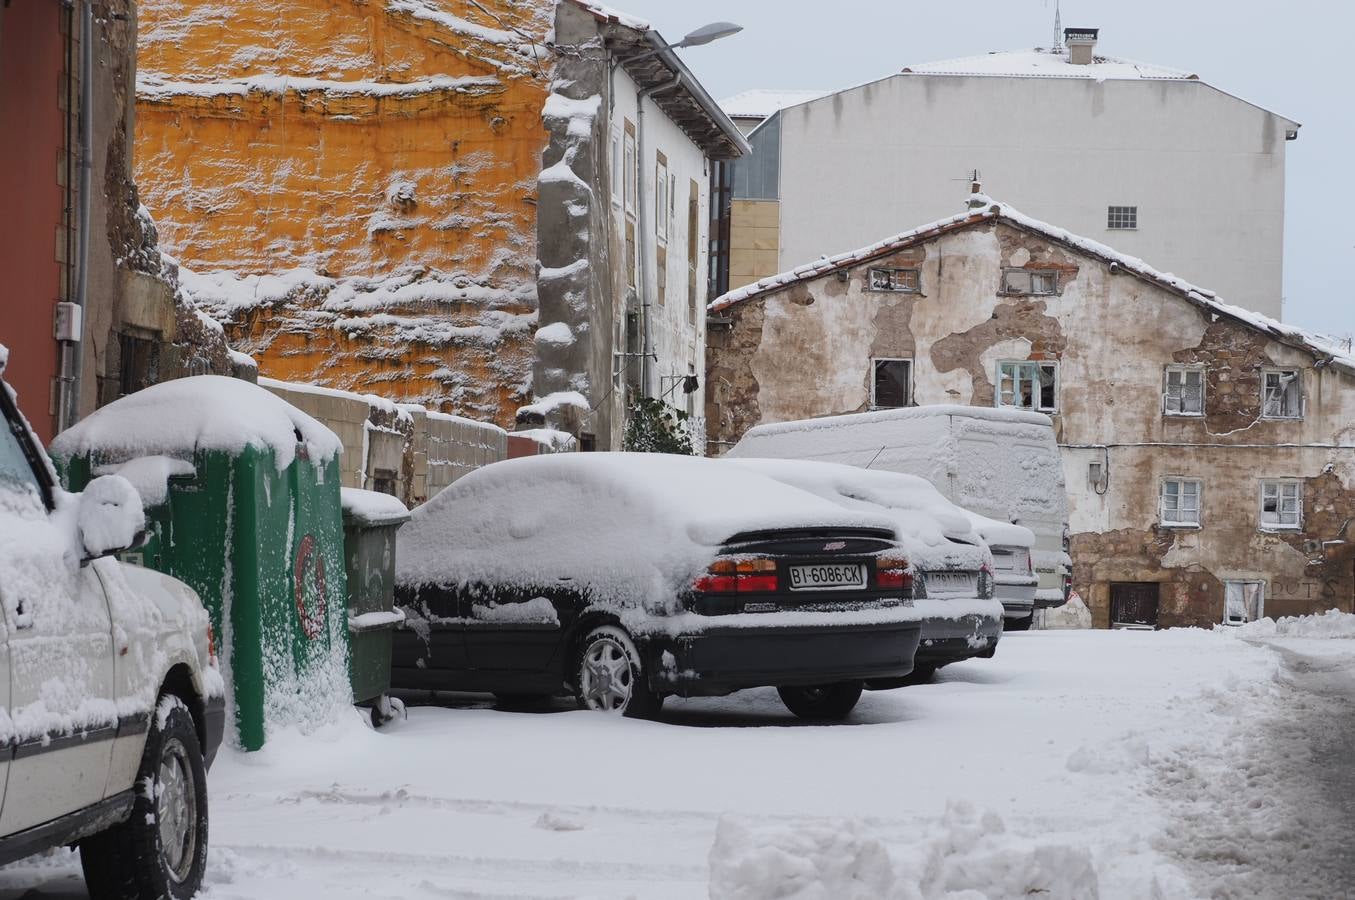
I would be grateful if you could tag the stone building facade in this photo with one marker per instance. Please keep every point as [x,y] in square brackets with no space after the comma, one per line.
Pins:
[1209,452]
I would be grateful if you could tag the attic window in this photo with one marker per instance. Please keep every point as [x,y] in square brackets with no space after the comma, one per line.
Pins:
[1122,218]
[1030,281]
[1282,394]
[902,281]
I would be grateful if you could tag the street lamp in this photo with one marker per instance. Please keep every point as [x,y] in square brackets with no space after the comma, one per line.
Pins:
[703,35]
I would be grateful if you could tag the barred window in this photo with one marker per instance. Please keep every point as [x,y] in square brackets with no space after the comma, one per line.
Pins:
[1122,218]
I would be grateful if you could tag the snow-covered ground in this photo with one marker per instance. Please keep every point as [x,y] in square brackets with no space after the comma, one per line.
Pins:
[1073,765]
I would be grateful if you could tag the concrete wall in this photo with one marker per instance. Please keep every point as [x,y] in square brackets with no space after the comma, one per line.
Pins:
[806,351]
[1205,170]
[420,451]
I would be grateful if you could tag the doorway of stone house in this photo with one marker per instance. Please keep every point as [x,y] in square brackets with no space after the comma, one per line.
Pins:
[1133,605]
[1243,601]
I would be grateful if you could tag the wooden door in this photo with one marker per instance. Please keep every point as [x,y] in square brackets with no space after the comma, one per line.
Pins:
[1134,604]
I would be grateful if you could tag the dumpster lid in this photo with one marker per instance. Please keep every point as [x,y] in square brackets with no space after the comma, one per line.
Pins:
[150,475]
[372,508]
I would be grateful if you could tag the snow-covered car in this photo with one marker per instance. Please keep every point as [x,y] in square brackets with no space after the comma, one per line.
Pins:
[111,706]
[1015,582]
[952,569]
[1001,463]
[624,578]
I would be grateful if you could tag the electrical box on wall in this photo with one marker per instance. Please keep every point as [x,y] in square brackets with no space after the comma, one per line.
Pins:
[66,322]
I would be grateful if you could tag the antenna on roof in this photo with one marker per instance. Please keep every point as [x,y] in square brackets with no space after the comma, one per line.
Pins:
[1058,27]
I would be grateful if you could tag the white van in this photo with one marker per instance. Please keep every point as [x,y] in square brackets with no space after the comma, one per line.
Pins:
[1000,463]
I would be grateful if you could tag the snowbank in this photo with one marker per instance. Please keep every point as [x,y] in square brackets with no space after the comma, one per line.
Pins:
[972,857]
[205,412]
[633,527]
[1331,624]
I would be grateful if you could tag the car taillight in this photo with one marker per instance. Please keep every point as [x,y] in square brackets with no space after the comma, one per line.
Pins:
[893,572]
[749,575]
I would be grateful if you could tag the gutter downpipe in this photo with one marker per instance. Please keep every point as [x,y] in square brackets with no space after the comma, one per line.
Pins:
[70,410]
[647,350]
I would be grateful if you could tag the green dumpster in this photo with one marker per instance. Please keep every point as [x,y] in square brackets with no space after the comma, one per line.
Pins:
[370,521]
[242,497]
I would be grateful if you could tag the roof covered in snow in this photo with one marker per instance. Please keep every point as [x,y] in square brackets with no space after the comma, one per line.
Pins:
[761,103]
[651,63]
[1039,62]
[986,210]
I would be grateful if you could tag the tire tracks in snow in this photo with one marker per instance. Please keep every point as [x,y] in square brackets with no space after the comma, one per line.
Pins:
[1263,808]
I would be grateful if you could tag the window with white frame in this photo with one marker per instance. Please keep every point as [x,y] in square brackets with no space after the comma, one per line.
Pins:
[1030,281]
[1179,506]
[1282,393]
[1243,601]
[905,281]
[661,210]
[1122,218]
[1028,385]
[892,385]
[1183,394]
[1281,504]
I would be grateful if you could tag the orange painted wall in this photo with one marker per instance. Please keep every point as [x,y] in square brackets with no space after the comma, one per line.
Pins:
[289,170]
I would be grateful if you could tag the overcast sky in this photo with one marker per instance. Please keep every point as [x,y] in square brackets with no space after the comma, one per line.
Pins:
[1293,57]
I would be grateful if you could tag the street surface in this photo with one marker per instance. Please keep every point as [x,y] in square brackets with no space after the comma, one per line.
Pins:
[1085,764]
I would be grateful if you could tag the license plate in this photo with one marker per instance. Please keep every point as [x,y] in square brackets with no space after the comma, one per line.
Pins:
[827,578]
[951,584]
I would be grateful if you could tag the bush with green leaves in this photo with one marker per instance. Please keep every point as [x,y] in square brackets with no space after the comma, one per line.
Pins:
[656,427]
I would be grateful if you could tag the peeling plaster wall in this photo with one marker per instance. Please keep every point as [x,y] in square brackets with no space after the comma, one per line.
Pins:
[806,351]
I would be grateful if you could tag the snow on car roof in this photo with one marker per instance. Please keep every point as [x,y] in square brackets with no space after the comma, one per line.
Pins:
[204,412]
[926,523]
[632,526]
[908,413]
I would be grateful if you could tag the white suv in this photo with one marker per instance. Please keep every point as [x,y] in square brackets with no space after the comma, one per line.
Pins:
[111,704]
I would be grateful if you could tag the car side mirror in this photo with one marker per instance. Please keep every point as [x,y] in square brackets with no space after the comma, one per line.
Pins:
[111,517]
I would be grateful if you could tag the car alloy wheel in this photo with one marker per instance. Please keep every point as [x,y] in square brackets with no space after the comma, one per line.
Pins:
[607,679]
[608,676]
[176,811]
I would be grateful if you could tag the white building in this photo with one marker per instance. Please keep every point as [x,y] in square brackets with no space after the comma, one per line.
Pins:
[1153,161]
[622,226]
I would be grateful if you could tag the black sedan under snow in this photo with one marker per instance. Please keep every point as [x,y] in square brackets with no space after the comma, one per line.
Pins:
[626,578]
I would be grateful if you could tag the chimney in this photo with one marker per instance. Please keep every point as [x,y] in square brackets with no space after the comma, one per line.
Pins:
[1081,43]
[977,198]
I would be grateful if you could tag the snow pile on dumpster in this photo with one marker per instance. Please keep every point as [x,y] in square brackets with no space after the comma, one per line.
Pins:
[205,412]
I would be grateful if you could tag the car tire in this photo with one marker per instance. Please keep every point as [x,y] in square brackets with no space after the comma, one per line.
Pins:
[823,703]
[608,676]
[161,850]
[1021,624]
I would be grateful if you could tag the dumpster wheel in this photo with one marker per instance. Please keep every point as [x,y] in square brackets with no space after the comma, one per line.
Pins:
[385,708]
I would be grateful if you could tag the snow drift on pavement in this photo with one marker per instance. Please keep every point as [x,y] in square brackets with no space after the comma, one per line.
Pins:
[1331,624]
